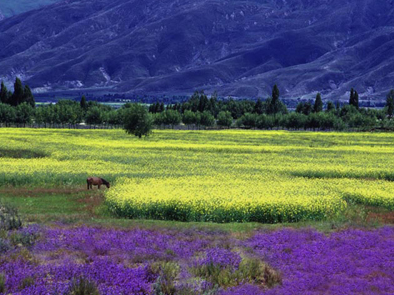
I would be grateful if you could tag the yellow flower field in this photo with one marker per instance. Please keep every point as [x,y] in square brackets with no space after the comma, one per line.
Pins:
[224,199]
[221,176]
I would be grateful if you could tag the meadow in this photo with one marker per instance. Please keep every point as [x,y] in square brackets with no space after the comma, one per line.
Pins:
[268,212]
[214,176]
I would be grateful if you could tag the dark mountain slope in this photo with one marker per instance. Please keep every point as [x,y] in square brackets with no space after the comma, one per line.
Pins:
[176,46]
[13,7]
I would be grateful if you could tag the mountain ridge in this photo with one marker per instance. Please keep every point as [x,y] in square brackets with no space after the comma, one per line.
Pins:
[239,48]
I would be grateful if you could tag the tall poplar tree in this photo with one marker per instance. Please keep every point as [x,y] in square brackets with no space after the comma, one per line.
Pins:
[17,96]
[354,99]
[275,94]
[351,99]
[318,106]
[4,94]
[83,103]
[28,96]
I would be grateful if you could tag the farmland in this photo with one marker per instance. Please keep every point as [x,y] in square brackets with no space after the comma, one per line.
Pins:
[220,176]
[268,212]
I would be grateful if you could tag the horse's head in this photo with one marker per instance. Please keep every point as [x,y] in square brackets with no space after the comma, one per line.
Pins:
[106,183]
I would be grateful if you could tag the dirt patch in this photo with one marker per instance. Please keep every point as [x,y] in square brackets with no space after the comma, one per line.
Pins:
[37,192]
[91,201]
[381,217]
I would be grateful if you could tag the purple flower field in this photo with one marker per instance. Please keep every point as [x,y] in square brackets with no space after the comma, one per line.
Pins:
[45,260]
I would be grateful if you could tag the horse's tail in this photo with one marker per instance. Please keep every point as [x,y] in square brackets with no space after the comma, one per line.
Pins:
[87,181]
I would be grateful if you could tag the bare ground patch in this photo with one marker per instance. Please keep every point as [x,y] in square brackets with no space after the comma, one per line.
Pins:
[37,192]
[381,217]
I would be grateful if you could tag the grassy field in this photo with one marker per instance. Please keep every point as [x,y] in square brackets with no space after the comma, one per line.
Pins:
[219,176]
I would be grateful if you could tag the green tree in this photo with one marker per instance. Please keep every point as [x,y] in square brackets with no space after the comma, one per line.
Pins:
[347,111]
[259,107]
[295,121]
[198,117]
[28,96]
[390,103]
[161,108]
[351,99]
[50,115]
[17,96]
[225,119]
[248,120]
[313,121]
[318,106]
[115,117]
[189,118]
[171,117]
[24,113]
[274,105]
[137,120]
[207,119]
[94,116]
[69,112]
[354,99]
[7,114]
[321,120]
[328,120]
[304,108]
[359,121]
[235,108]
[39,115]
[83,103]
[157,119]
[154,108]
[213,104]
[330,107]
[265,122]
[203,103]
[275,94]
[4,94]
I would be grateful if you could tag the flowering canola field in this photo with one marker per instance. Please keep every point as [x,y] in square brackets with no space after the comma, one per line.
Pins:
[220,176]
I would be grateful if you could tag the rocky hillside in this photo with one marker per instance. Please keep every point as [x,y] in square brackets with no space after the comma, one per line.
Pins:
[237,47]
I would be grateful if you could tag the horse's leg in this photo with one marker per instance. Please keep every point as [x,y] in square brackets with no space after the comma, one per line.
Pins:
[99,186]
[88,184]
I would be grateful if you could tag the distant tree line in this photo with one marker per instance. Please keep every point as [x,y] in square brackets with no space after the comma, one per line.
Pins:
[199,111]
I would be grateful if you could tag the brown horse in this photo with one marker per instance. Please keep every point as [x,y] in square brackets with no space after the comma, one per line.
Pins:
[96,181]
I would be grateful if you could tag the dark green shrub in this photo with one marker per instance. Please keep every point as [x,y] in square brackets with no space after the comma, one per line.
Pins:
[4,246]
[23,238]
[82,286]
[167,273]
[252,271]
[27,282]
[9,217]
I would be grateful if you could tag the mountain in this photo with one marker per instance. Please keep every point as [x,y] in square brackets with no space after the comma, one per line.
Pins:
[236,47]
[13,7]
